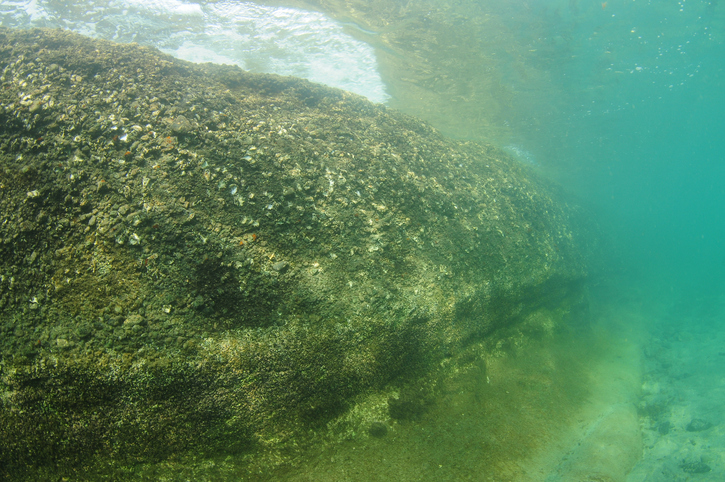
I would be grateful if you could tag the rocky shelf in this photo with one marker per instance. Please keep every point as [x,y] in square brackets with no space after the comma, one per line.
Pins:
[200,261]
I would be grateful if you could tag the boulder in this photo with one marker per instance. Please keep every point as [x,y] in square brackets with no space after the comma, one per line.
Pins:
[199,261]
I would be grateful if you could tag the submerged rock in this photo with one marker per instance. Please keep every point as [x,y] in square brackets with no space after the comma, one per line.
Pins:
[697,467]
[215,262]
[698,425]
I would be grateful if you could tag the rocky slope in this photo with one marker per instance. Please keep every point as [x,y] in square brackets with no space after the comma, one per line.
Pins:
[199,260]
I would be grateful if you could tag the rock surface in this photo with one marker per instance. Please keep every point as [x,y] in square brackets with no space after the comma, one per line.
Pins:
[199,260]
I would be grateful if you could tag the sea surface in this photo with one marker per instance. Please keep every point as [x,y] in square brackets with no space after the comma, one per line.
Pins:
[621,102]
[259,38]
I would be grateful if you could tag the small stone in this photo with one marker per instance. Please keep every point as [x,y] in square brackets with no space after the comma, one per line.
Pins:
[698,425]
[280,266]
[133,320]
[198,302]
[695,467]
[84,331]
[181,125]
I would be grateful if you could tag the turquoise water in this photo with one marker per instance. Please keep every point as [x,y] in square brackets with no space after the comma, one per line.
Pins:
[639,130]
[622,102]
[638,135]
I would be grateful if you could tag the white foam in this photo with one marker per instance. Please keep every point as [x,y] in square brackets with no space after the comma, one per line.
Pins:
[280,40]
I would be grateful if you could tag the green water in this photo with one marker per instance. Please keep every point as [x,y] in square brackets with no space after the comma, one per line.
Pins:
[621,102]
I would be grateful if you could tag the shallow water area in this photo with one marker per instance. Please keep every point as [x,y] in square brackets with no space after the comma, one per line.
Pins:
[256,37]
[682,404]
[620,103]
[557,407]
[558,412]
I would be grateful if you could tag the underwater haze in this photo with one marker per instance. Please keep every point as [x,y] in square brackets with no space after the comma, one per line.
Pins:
[639,130]
[621,103]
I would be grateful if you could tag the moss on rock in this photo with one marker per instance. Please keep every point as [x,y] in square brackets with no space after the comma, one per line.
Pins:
[199,260]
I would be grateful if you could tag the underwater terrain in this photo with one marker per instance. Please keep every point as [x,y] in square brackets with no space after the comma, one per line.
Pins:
[198,261]
[210,273]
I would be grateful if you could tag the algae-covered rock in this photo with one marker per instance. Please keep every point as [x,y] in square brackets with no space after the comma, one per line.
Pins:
[199,260]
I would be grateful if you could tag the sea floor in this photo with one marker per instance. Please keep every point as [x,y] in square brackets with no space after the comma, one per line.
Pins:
[562,410]
[682,406]
[639,397]
[635,394]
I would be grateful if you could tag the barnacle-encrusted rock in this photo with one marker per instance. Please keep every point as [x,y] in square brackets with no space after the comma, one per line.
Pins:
[199,260]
